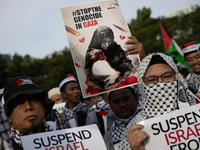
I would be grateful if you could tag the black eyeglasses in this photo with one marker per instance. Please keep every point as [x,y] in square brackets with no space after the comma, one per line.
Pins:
[166,77]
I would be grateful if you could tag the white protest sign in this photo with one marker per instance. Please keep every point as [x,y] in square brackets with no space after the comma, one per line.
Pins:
[59,107]
[99,67]
[80,138]
[178,130]
[52,124]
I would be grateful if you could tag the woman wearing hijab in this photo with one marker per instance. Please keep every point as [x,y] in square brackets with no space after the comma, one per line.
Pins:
[162,90]
[103,47]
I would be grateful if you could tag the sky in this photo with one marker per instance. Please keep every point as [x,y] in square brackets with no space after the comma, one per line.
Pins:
[36,28]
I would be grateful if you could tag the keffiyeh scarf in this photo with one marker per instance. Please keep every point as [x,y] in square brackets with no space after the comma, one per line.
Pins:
[159,99]
[4,129]
[16,134]
[100,106]
[139,105]
[193,81]
[119,126]
[68,114]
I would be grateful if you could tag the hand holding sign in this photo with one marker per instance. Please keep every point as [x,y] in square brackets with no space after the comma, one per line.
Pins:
[177,130]
[136,136]
[136,47]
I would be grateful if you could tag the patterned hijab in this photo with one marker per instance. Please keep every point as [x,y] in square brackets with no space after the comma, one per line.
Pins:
[161,98]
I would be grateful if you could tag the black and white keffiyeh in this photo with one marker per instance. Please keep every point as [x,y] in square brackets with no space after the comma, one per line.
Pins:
[16,134]
[159,99]
[119,126]
[100,106]
[68,114]
[4,130]
[193,81]
[139,105]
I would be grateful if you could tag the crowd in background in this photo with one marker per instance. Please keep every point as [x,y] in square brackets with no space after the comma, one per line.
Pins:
[26,109]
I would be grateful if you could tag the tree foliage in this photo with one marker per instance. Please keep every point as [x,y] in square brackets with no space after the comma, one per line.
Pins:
[183,29]
[48,72]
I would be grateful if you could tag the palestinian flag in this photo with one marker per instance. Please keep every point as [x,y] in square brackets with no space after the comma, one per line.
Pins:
[23,82]
[191,47]
[172,47]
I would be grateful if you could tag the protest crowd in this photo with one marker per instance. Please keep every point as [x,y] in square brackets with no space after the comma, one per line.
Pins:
[26,109]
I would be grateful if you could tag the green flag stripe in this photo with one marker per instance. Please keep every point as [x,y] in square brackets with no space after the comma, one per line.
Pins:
[178,57]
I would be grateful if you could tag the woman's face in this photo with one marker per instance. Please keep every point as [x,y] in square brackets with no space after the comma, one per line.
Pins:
[159,73]
[106,43]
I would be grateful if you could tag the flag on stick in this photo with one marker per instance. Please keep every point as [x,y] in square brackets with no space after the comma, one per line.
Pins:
[172,47]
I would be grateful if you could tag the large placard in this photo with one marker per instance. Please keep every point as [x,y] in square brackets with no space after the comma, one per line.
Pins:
[80,138]
[97,33]
[178,130]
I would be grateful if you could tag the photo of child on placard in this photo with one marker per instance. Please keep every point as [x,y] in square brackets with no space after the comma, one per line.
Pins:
[97,33]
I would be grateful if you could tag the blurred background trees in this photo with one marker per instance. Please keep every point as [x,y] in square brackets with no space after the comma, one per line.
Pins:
[50,70]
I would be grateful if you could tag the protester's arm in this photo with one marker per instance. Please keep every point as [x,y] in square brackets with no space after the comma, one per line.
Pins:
[136,136]
[198,96]
[136,47]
